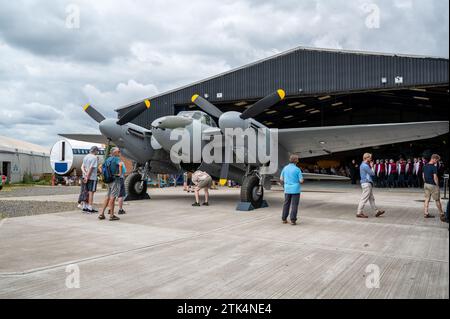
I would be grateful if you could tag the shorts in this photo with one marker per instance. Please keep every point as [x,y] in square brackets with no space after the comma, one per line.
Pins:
[206,183]
[432,191]
[91,185]
[122,192]
[114,188]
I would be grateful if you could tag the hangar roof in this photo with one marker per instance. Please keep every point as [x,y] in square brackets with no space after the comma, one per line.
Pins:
[288,52]
[11,145]
[306,72]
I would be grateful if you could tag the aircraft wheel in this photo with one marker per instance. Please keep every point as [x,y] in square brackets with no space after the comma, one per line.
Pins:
[133,185]
[252,192]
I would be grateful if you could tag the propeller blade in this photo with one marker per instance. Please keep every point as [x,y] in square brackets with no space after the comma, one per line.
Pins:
[134,112]
[224,174]
[263,104]
[93,113]
[206,106]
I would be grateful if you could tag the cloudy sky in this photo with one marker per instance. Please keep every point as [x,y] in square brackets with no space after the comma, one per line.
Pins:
[118,52]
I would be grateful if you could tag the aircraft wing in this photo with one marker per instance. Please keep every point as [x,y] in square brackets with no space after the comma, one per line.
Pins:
[90,138]
[317,141]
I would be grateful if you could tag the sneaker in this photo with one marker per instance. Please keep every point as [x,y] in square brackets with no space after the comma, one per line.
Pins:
[285,221]
[121,212]
[85,210]
[196,205]
[92,211]
[205,204]
[80,206]
[293,223]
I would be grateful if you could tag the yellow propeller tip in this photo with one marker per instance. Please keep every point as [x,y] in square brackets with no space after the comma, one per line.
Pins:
[281,93]
[86,106]
[147,103]
[194,97]
[223,182]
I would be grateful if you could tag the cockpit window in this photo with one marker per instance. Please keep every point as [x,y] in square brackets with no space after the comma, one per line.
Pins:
[196,115]
[206,120]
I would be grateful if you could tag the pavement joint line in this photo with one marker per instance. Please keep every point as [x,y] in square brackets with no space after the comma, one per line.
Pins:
[99,257]
[345,250]
[359,222]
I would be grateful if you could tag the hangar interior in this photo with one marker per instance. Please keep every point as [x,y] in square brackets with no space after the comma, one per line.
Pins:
[372,107]
[328,88]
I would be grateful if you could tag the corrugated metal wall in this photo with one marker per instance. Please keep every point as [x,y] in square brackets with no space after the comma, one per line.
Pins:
[307,72]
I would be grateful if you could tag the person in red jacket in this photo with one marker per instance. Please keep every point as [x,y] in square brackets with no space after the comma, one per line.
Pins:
[401,170]
[392,174]
[380,173]
[383,173]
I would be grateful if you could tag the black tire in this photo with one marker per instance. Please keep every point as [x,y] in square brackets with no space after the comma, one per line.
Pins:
[133,185]
[249,191]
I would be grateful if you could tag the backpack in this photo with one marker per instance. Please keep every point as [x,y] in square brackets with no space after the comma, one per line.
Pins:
[108,177]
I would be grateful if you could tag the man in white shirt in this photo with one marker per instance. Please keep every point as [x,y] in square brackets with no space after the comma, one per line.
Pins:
[90,166]
[416,172]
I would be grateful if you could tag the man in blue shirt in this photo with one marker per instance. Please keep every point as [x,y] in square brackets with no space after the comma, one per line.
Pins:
[431,186]
[116,168]
[367,174]
[291,177]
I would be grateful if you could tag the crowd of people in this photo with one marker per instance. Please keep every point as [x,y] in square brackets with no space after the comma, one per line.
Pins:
[416,172]
[404,173]
[116,186]
[410,173]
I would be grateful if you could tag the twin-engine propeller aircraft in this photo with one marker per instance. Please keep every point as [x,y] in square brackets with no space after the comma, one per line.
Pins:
[152,150]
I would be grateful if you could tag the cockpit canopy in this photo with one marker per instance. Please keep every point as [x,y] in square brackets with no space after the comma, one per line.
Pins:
[199,115]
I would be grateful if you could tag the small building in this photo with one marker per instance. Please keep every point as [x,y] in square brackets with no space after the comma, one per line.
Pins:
[19,158]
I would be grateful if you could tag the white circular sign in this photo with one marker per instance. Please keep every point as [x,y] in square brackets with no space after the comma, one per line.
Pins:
[61,157]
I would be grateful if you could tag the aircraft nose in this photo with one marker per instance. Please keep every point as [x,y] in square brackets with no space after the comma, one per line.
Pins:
[110,129]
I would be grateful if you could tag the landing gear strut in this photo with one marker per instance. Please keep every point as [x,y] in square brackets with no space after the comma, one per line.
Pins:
[252,193]
[136,184]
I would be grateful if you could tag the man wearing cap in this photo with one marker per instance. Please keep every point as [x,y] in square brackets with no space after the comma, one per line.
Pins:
[90,165]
